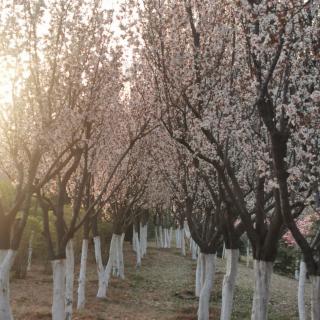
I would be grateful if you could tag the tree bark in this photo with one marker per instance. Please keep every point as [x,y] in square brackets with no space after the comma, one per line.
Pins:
[315,297]
[6,261]
[69,278]
[198,275]
[102,287]
[82,276]
[229,282]
[30,252]
[183,243]
[204,299]
[138,249]
[178,241]
[301,290]
[59,289]
[161,236]
[262,274]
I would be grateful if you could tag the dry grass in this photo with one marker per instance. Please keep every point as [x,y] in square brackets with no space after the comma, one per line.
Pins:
[162,289]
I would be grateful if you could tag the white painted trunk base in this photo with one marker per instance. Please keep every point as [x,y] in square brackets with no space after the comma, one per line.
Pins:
[121,260]
[198,275]
[262,275]
[178,241]
[194,249]
[115,263]
[30,252]
[301,290]
[315,297]
[229,282]
[204,299]
[187,230]
[134,247]
[69,279]
[59,289]
[6,261]
[248,254]
[183,242]
[138,249]
[161,237]
[82,276]
[102,285]
[157,237]
[170,237]
[143,239]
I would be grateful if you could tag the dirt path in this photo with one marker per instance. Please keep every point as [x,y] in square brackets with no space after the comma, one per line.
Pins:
[161,290]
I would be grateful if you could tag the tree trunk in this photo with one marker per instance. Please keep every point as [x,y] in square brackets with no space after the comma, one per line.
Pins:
[82,276]
[114,245]
[262,275]
[104,274]
[164,231]
[178,241]
[59,289]
[69,278]
[248,254]
[138,249]
[315,297]
[102,288]
[204,299]
[193,249]
[183,243]
[157,236]
[134,246]
[301,290]
[199,275]
[144,239]
[161,236]
[6,262]
[170,237]
[121,260]
[223,251]
[30,252]
[229,282]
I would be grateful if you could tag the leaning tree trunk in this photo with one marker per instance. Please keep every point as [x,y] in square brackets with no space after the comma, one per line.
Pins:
[204,299]
[301,290]
[262,275]
[82,276]
[69,278]
[6,261]
[315,297]
[59,289]
[229,282]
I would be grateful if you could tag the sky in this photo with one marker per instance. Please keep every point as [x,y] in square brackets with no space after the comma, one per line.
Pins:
[6,77]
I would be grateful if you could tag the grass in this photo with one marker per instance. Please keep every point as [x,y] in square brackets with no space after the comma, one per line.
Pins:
[161,289]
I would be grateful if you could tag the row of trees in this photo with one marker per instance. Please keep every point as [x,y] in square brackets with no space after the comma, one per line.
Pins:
[215,125]
[71,137]
[235,85]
